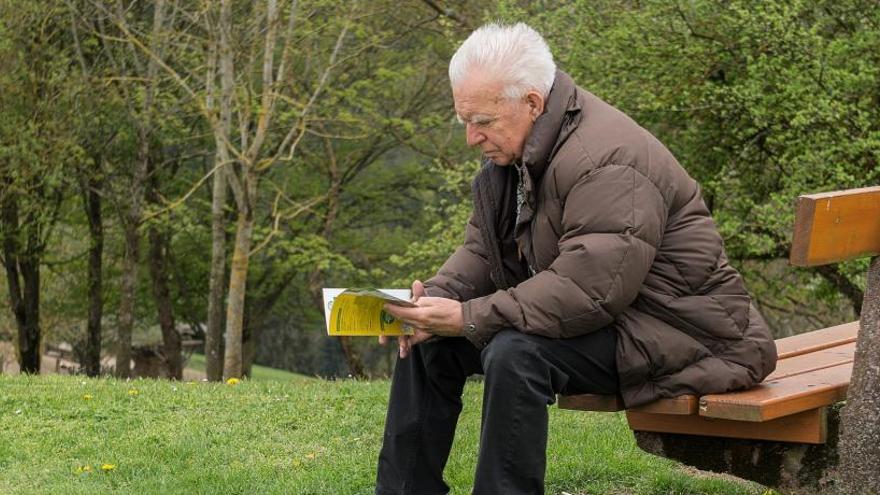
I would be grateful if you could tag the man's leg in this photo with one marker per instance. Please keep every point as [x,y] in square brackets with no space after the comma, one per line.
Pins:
[422,414]
[523,375]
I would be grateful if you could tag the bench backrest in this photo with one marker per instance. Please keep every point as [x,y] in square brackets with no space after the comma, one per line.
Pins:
[836,226]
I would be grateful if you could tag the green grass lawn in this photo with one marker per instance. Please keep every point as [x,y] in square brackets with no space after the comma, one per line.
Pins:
[297,436]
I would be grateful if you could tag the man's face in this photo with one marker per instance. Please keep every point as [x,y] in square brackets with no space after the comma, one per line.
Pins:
[499,126]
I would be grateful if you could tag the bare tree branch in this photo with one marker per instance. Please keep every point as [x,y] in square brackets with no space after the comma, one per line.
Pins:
[447,13]
[318,89]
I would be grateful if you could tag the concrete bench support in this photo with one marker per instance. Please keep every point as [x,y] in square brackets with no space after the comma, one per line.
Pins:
[789,467]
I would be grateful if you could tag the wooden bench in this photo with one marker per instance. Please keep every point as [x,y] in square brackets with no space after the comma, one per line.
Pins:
[793,410]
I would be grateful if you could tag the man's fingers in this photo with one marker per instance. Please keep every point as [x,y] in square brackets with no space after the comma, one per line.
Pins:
[403,346]
[412,316]
[383,340]
[419,318]
[396,311]
[418,290]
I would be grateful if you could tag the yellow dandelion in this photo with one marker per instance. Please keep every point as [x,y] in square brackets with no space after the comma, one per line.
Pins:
[108,467]
[310,455]
[84,469]
[133,392]
[87,397]
[233,381]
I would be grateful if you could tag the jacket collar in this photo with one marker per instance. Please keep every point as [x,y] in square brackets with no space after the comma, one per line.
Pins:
[552,127]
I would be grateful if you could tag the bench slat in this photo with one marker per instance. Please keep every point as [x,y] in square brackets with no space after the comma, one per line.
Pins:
[805,427]
[817,340]
[836,226]
[782,397]
[685,404]
[814,361]
[682,405]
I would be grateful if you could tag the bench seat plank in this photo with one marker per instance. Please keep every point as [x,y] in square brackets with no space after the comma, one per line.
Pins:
[684,404]
[817,340]
[805,427]
[805,363]
[782,397]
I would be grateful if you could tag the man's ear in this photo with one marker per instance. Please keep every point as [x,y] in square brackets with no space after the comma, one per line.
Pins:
[536,104]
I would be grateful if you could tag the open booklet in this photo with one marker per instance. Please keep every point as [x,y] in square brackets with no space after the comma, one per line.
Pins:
[359,312]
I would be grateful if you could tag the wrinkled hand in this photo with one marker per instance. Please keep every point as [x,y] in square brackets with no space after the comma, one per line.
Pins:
[405,342]
[432,316]
[435,315]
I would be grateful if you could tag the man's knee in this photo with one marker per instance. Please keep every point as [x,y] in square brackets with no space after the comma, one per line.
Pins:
[509,350]
[448,359]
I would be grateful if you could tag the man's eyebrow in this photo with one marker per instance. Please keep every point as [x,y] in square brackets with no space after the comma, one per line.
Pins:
[476,118]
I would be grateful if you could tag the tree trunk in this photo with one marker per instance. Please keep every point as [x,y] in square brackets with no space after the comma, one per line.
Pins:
[248,340]
[29,336]
[159,274]
[131,223]
[133,216]
[222,134]
[214,332]
[23,282]
[162,296]
[92,355]
[232,362]
[355,366]
[125,319]
[860,442]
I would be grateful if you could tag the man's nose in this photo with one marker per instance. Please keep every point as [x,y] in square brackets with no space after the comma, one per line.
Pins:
[474,136]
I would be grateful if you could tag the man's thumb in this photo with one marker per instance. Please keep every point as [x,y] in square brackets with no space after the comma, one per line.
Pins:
[418,290]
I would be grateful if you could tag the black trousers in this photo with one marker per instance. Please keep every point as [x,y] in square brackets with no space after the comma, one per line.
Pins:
[523,374]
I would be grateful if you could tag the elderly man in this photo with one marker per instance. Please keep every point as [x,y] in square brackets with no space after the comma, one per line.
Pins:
[590,265]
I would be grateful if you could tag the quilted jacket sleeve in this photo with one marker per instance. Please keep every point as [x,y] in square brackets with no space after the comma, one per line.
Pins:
[613,220]
[465,275]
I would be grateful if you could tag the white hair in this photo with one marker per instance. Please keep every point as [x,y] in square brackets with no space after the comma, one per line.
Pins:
[516,55]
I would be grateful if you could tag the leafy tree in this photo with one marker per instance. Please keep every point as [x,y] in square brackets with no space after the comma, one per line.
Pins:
[38,89]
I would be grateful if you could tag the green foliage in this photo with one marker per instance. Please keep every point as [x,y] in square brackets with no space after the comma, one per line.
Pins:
[39,95]
[449,212]
[298,436]
[761,101]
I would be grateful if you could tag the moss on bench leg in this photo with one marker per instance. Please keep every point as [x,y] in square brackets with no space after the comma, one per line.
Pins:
[789,467]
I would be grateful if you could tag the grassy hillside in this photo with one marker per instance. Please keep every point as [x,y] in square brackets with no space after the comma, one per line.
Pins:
[258,373]
[300,436]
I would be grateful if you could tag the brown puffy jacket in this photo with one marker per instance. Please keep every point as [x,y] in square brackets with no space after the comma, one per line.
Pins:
[616,233]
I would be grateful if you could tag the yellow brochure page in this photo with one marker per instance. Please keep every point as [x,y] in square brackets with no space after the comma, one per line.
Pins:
[359,312]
